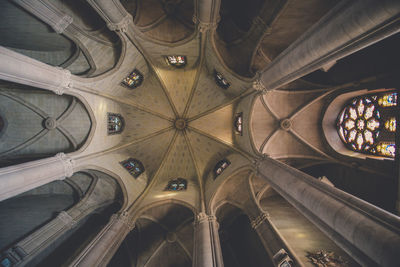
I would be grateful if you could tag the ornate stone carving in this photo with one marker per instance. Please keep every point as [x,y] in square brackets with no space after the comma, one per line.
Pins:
[68,164]
[204,27]
[50,123]
[66,83]
[121,26]
[125,219]
[201,217]
[259,219]
[62,24]
[260,87]
[66,219]
[324,258]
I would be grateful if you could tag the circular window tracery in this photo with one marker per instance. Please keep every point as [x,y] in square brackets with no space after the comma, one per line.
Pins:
[365,125]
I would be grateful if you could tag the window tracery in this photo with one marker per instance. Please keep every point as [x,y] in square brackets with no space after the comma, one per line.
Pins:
[133,166]
[367,125]
[115,123]
[221,166]
[133,80]
[220,80]
[176,61]
[178,184]
[238,123]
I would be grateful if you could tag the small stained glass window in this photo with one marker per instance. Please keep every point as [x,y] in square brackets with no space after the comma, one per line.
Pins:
[5,262]
[133,80]
[115,123]
[133,166]
[367,125]
[238,123]
[220,80]
[178,184]
[388,100]
[390,124]
[176,61]
[221,166]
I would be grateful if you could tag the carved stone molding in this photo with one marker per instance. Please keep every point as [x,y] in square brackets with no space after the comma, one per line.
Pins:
[259,219]
[68,164]
[62,24]
[121,26]
[66,219]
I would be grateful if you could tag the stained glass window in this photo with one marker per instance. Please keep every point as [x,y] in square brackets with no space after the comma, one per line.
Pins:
[390,124]
[221,166]
[176,61]
[238,123]
[367,125]
[133,166]
[388,100]
[115,123]
[220,80]
[133,80]
[178,184]
[6,262]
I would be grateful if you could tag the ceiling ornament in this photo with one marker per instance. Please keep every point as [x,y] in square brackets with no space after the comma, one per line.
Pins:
[121,26]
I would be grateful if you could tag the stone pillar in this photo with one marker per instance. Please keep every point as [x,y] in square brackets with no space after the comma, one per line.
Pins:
[103,247]
[115,15]
[269,236]
[30,248]
[46,12]
[367,233]
[207,248]
[21,69]
[23,177]
[207,14]
[347,28]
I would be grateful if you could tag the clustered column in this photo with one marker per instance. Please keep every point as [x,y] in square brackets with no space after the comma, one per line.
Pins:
[369,234]
[207,248]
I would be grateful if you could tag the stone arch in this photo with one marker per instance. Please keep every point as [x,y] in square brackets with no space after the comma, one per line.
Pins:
[66,212]
[163,236]
[157,18]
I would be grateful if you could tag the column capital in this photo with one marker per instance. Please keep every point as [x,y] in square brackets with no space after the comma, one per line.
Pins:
[68,163]
[124,218]
[66,82]
[259,86]
[205,26]
[66,219]
[62,24]
[259,219]
[121,26]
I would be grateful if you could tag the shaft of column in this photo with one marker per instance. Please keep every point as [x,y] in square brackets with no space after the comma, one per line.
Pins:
[347,28]
[115,15]
[207,247]
[207,13]
[369,234]
[23,177]
[103,247]
[21,69]
[46,12]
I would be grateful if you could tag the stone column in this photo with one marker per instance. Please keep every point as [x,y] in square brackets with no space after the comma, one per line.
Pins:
[30,250]
[347,28]
[271,239]
[103,247]
[21,69]
[207,248]
[115,15]
[367,233]
[23,177]
[46,12]
[207,14]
